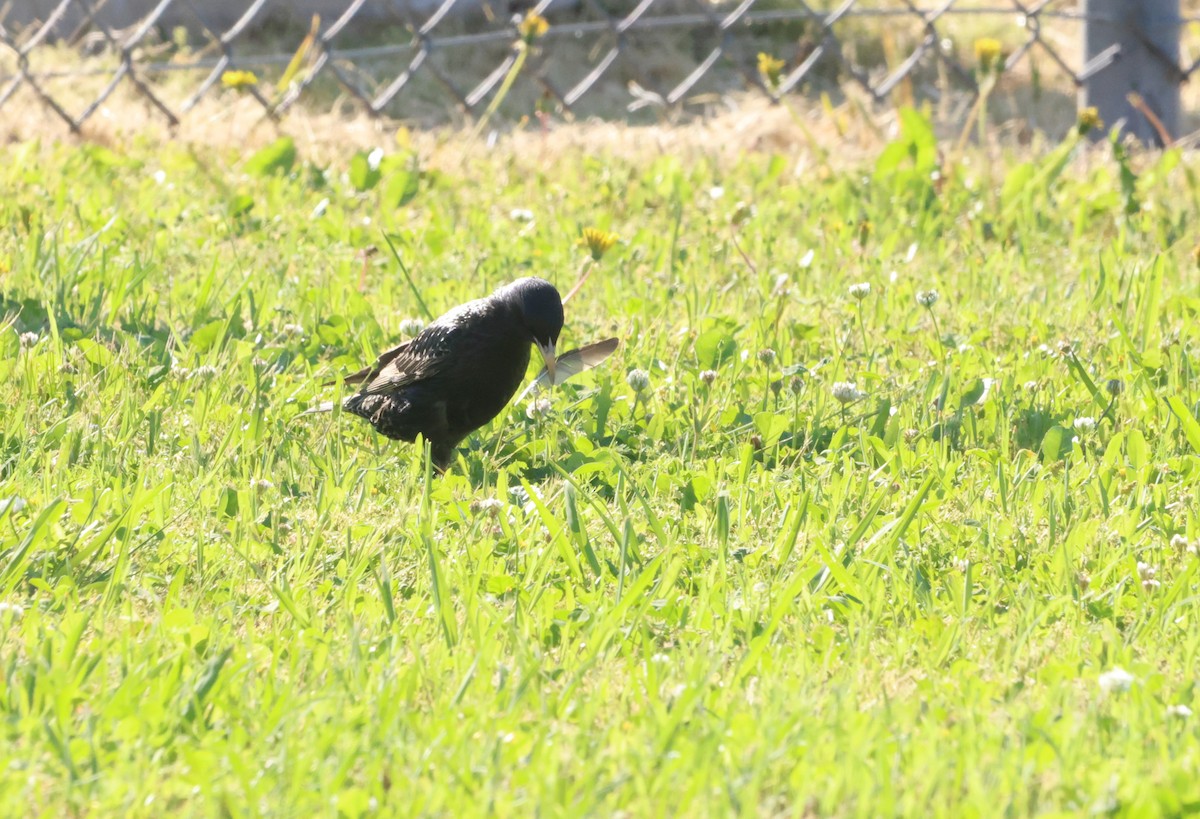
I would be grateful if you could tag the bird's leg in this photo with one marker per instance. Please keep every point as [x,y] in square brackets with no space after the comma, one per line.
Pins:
[442,456]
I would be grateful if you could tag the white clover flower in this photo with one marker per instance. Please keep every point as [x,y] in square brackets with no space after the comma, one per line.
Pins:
[1085,423]
[374,158]
[1116,679]
[159,177]
[411,327]
[488,506]
[28,339]
[206,372]
[538,408]
[1030,385]
[293,330]
[861,290]
[781,285]
[1179,543]
[708,376]
[1180,710]
[1146,573]
[927,298]
[521,215]
[766,355]
[260,484]
[716,192]
[639,380]
[846,391]
[15,610]
[320,209]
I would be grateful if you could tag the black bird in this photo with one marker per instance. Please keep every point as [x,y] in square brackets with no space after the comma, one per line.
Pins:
[460,371]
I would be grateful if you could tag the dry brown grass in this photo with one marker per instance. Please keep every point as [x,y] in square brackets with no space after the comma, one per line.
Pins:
[846,128]
[847,133]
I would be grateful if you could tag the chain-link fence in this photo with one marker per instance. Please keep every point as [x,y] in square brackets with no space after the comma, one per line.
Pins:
[467,60]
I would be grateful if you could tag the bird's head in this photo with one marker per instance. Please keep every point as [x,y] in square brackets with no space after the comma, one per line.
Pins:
[541,311]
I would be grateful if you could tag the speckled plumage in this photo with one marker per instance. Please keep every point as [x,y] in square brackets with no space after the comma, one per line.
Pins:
[461,370]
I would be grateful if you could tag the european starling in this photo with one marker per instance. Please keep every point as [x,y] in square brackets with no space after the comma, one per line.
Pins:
[461,370]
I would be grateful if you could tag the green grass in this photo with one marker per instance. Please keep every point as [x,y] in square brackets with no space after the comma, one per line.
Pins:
[736,597]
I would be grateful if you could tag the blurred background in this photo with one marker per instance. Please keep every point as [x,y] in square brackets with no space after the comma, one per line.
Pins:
[1028,66]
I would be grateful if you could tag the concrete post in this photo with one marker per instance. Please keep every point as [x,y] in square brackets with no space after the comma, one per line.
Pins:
[1146,63]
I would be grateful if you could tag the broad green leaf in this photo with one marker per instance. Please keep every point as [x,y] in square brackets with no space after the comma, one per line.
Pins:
[1057,443]
[1136,448]
[714,348]
[276,158]
[362,176]
[1191,429]
[402,185]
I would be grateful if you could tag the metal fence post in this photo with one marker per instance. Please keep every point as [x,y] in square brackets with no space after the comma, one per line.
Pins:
[1145,61]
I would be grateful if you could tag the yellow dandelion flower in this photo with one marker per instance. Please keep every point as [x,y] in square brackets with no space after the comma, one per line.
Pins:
[533,26]
[770,69]
[238,79]
[1089,120]
[597,241]
[989,53]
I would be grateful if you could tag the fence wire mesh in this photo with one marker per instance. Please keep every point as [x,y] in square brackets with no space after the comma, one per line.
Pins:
[463,60]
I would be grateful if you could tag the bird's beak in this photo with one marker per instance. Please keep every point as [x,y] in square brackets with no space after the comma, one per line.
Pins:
[547,351]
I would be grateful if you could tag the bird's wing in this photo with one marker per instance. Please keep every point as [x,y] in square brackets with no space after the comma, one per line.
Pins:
[419,359]
[369,372]
[572,363]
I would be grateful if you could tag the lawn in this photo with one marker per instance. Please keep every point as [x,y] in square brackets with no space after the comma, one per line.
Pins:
[801,547]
